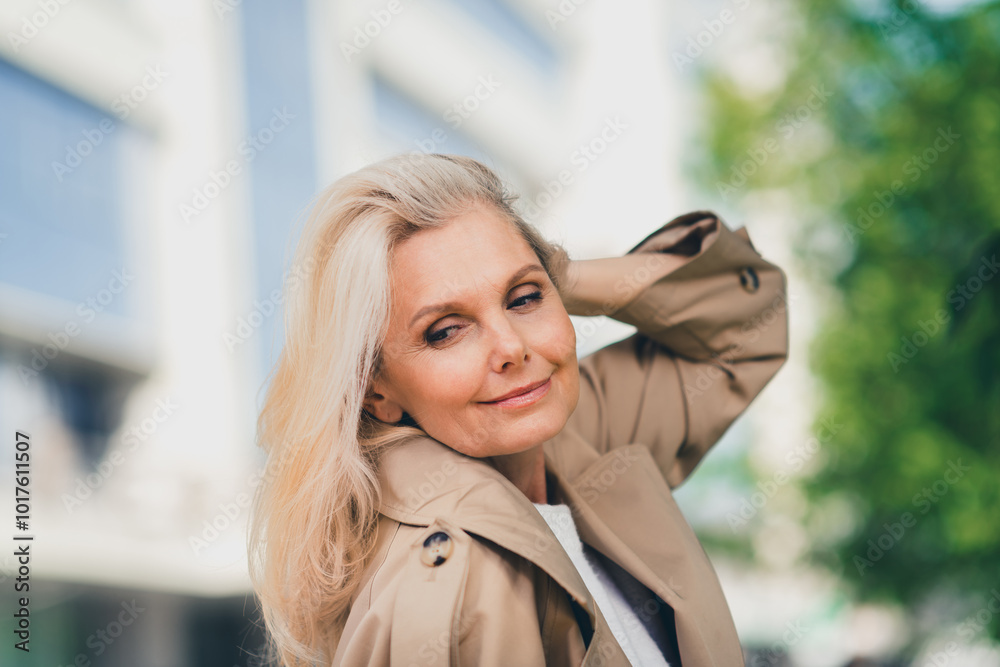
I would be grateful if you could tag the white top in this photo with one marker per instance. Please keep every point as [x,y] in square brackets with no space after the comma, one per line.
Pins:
[631,633]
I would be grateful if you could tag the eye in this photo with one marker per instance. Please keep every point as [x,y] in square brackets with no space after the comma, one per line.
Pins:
[438,336]
[526,299]
[441,335]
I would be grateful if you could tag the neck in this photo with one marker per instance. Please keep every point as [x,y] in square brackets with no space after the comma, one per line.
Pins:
[526,471]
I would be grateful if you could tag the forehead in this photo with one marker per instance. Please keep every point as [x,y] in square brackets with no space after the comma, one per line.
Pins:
[475,251]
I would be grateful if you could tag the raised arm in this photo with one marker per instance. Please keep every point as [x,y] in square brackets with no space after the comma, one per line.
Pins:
[712,330]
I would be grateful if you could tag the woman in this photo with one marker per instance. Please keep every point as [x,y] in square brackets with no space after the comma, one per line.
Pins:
[447,483]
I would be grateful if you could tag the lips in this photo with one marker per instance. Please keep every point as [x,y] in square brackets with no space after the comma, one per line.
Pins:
[519,391]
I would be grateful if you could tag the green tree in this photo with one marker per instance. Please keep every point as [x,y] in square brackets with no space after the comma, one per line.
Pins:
[885,136]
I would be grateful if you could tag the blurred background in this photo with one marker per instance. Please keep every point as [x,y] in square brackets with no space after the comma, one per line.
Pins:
[157,157]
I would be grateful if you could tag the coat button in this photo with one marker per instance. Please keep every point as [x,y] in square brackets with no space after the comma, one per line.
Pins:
[437,548]
[749,279]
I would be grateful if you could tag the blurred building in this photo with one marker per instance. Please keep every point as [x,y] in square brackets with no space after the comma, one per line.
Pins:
[156,159]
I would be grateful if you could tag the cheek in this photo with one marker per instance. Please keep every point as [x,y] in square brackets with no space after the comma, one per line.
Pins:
[448,378]
[562,351]
[556,339]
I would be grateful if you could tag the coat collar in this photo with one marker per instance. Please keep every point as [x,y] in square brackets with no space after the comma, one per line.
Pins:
[421,479]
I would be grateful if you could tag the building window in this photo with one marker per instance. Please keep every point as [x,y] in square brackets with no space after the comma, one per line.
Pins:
[504,22]
[406,126]
[61,199]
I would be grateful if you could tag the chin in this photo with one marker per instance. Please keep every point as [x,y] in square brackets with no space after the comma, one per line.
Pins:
[545,429]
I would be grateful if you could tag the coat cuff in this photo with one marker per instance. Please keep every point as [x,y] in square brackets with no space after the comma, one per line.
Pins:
[713,303]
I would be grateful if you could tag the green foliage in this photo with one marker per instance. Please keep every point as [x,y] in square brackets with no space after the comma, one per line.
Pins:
[895,180]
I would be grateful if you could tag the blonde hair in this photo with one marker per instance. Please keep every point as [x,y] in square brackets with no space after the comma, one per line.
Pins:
[313,524]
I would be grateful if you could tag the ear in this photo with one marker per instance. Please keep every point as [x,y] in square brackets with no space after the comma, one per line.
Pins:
[380,406]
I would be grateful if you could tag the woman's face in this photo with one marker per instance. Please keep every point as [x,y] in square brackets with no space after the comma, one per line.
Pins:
[474,318]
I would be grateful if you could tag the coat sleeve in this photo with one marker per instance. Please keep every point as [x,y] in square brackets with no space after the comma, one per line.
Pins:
[710,334]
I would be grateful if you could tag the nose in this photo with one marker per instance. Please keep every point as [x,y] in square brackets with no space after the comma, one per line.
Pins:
[509,345]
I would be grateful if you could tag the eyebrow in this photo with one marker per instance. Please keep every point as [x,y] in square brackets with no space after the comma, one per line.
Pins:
[455,305]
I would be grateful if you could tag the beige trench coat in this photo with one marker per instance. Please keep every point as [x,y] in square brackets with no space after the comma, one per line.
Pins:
[495,587]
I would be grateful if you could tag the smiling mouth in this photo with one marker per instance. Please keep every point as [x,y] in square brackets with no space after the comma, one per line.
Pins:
[526,397]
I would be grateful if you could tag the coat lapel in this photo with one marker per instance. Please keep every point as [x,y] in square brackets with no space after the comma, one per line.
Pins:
[610,522]
[603,491]
[624,508]
[422,479]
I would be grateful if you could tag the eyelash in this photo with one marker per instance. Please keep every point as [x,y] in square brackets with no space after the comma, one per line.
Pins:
[529,298]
